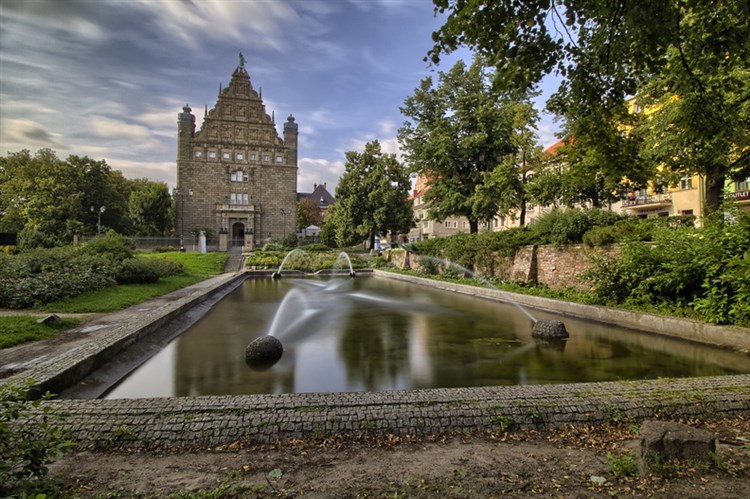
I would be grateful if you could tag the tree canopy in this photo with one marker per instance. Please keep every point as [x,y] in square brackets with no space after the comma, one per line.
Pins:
[689,59]
[48,200]
[372,197]
[308,213]
[461,130]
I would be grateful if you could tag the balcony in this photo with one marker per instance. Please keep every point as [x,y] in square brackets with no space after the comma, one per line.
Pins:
[648,202]
[235,208]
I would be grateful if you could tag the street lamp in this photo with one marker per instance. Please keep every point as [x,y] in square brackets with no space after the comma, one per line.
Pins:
[98,218]
[283,213]
[182,220]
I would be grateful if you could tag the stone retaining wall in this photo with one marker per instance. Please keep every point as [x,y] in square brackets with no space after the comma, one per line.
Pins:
[213,421]
[558,267]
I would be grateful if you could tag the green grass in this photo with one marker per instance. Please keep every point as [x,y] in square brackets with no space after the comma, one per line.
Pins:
[198,266]
[17,329]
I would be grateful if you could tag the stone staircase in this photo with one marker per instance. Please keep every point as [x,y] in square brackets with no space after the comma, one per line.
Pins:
[235,261]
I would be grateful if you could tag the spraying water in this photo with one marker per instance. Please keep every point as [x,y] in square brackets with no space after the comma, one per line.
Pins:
[447,263]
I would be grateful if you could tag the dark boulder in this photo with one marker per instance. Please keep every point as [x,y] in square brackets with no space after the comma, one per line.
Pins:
[551,330]
[263,352]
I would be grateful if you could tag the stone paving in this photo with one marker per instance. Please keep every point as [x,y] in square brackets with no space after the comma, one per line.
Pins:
[221,420]
[212,421]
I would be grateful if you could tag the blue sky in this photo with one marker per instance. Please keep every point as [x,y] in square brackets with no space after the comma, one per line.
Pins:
[107,78]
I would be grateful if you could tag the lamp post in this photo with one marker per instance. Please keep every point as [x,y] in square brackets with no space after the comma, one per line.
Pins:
[182,221]
[98,218]
[283,213]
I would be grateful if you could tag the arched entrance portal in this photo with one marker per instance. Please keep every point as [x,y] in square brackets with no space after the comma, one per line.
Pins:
[238,234]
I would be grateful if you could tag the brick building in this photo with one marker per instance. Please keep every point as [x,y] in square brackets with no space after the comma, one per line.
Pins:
[236,178]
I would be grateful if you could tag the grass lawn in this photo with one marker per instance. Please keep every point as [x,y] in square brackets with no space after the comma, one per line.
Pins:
[17,329]
[198,266]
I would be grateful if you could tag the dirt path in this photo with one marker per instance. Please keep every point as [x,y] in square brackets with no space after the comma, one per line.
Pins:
[565,462]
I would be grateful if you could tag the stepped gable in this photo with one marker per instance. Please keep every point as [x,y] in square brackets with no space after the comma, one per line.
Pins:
[239,116]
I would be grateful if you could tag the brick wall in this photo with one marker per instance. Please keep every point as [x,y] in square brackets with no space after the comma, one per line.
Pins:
[556,267]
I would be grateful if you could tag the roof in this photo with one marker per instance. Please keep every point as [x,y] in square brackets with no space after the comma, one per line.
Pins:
[554,147]
[320,194]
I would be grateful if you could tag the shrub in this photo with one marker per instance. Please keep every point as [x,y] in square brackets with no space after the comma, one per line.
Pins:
[33,291]
[703,269]
[26,449]
[315,247]
[138,271]
[165,267]
[569,226]
[163,249]
[112,244]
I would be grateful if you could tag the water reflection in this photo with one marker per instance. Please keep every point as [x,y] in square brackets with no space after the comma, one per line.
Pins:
[375,334]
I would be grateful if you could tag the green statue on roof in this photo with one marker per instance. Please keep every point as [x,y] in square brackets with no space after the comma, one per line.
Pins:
[242,60]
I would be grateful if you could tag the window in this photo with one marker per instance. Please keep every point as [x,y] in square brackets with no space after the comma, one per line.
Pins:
[743,185]
[251,156]
[238,199]
[239,156]
[686,183]
[266,157]
[279,159]
[198,154]
[226,155]
[238,176]
[212,154]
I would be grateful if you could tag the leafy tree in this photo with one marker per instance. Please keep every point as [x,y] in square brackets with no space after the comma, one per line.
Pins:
[372,197]
[460,130]
[100,186]
[508,183]
[689,56]
[39,195]
[308,213]
[149,208]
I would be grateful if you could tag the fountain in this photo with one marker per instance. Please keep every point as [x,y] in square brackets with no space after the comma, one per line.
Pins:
[277,274]
[313,300]
[341,257]
[543,329]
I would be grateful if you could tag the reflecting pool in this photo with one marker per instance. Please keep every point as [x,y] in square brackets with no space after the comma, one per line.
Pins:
[372,334]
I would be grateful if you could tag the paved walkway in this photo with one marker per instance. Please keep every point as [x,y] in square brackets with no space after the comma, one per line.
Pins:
[209,421]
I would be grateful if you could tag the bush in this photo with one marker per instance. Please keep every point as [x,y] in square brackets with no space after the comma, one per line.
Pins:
[114,245]
[34,291]
[702,269]
[138,271]
[315,247]
[569,226]
[163,249]
[26,449]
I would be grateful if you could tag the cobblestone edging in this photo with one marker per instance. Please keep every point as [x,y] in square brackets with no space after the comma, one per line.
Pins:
[212,421]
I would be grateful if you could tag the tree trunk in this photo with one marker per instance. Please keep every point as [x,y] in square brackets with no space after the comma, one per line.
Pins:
[473,226]
[714,189]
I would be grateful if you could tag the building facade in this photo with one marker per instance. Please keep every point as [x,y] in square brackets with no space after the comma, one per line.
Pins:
[236,176]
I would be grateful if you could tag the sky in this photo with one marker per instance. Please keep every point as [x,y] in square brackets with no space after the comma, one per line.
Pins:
[107,78]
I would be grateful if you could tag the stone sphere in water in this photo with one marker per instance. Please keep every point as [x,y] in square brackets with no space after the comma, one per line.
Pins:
[553,330]
[263,352]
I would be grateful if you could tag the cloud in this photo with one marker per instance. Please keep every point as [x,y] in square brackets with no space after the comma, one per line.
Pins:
[115,129]
[26,133]
[263,21]
[317,171]
[69,17]
[165,171]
